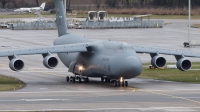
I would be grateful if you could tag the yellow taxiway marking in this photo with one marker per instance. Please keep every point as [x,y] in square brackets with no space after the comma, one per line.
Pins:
[4,65]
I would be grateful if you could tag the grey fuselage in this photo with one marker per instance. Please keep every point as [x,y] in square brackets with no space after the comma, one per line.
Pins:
[104,58]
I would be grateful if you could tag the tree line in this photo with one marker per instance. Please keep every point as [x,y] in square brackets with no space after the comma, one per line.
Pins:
[109,3]
[150,3]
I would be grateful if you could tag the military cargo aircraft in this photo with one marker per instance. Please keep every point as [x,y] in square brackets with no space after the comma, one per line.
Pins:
[108,60]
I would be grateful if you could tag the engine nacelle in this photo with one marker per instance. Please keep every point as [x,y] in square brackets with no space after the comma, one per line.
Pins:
[16,64]
[50,62]
[158,61]
[184,64]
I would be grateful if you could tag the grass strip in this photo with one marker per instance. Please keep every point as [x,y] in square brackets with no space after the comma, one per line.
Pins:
[191,76]
[195,26]
[10,83]
[84,15]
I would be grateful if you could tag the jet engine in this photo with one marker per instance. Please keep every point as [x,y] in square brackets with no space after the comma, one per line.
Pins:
[50,62]
[16,64]
[184,64]
[158,61]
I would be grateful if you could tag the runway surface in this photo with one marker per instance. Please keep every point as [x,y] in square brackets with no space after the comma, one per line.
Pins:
[47,89]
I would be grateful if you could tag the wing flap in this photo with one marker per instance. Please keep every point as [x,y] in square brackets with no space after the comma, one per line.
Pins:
[43,50]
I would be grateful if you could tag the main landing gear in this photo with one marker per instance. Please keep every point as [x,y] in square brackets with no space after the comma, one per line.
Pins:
[78,79]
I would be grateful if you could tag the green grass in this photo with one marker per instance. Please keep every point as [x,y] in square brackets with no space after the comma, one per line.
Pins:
[10,83]
[195,26]
[192,76]
[81,15]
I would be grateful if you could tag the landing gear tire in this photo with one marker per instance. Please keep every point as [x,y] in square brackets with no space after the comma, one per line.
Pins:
[122,84]
[126,83]
[118,84]
[86,80]
[73,79]
[67,79]
[115,83]
[79,80]
[107,80]
[102,79]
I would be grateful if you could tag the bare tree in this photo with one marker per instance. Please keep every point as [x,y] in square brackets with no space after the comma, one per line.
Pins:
[111,3]
[4,2]
[141,3]
[98,3]
[127,3]
[68,3]
[50,4]
[15,4]
[37,3]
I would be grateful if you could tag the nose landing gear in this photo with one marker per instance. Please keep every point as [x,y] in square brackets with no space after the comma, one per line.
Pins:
[118,83]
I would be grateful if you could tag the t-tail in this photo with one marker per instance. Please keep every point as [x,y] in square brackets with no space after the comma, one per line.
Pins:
[43,5]
[60,18]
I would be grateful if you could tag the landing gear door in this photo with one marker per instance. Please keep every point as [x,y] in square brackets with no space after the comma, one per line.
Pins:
[72,66]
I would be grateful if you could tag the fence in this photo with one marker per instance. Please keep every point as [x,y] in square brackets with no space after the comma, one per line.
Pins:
[33,25]
[51,25]
[121,24]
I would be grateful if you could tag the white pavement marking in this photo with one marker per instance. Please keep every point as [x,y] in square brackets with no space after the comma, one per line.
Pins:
[177,109]
[29,100]
[43,88]
[86,91]
[44,99]
[192,97]
[62,92]
[194,69]
[44,71]
[176,90]
[180,109]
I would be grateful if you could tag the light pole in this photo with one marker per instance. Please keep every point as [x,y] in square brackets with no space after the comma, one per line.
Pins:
[65,3]
[189,18]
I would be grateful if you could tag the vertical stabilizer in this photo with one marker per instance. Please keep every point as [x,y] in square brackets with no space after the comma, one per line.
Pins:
[43,5]
[60,17]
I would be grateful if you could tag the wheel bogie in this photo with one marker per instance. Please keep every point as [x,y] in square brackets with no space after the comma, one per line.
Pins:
[78,79]
[118,83]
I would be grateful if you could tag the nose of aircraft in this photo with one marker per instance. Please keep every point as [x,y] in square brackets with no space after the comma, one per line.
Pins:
[127,66]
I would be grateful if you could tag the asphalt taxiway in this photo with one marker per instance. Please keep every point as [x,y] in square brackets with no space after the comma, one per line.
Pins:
[47,90]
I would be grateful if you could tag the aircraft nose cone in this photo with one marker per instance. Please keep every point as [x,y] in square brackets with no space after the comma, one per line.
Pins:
[132,66]
[128,67]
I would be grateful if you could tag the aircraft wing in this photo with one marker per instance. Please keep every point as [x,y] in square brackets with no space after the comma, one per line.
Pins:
[70,48]
[153,50]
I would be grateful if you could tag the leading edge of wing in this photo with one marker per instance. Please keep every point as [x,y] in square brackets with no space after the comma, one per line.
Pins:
[149,50]
[70,48]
